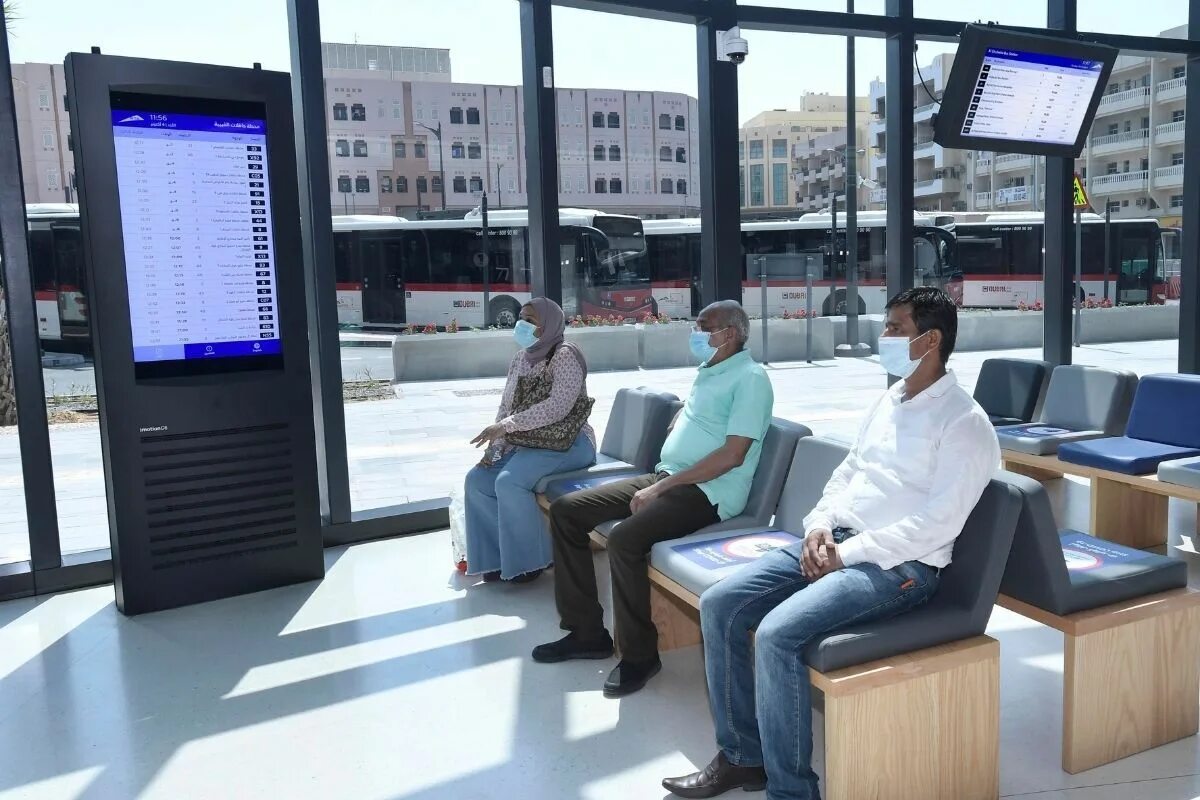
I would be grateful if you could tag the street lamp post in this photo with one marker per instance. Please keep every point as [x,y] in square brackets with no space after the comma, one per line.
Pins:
[437,133]
[499,197]
[853,348]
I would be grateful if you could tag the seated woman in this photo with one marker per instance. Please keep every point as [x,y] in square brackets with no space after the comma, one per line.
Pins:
[541,429]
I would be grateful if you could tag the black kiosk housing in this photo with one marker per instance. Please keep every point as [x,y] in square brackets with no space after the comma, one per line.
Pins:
[190,218]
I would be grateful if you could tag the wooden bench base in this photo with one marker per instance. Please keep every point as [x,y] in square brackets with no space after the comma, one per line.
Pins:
[1131,675]
[1127,509]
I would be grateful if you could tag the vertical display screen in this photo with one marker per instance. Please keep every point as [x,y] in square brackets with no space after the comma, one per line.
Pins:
[195,198]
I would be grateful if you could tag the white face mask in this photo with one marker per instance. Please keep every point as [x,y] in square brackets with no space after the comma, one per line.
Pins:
[893,355]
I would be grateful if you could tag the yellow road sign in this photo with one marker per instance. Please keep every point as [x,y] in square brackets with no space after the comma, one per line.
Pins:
[1081,198]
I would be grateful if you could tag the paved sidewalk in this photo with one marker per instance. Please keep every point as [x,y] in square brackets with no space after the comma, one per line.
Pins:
[416,447]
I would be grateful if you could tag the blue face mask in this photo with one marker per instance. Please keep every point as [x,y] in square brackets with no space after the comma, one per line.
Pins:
[893,355]
[700,346]
[525,333]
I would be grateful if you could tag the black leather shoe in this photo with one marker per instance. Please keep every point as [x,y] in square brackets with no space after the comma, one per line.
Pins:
[526,577]
[717,778]
[572,646]
[491,577]
[629,676]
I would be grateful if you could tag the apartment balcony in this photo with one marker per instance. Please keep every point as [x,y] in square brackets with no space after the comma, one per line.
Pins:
[1129,100]
[1012,195]
[937,186]
[1118,142]
[983,199]
[1168,177]
[924,113]
[1119,183]
[879,195]
[1170,133]
[1011,162]
[925,149]
[1174,89]
[983,163]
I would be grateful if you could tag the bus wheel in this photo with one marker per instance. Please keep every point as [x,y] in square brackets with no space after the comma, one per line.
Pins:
[504,312]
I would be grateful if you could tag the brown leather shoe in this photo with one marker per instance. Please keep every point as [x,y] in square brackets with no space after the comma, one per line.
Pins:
[717,778]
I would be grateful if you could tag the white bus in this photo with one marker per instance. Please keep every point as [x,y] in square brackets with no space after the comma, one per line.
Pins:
[1000,260]
[393,272]
[56,265]
[784,250]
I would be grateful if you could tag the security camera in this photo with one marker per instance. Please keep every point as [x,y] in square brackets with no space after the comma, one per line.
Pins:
[731,46]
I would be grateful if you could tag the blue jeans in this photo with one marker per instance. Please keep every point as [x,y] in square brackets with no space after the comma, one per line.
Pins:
[759,691]
[506,530]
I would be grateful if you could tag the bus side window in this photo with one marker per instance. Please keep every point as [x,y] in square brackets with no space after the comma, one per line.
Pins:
[347,269]
[414,253]
[41,260]
[68,258]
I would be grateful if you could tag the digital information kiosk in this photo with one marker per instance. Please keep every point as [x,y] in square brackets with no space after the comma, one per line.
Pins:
[190,218]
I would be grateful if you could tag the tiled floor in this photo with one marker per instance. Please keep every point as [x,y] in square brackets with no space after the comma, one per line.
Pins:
[415,447]
[397,678]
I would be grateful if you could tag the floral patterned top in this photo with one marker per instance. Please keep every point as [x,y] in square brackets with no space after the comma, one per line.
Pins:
[567,383]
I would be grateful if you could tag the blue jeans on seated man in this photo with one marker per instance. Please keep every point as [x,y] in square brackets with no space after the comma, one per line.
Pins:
[759,690]
[505,528]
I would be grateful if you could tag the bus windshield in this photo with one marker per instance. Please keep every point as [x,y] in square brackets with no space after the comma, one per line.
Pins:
[624,234]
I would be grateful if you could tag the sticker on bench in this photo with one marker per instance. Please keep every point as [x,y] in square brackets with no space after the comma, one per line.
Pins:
[570,485]
[718,553]
[1083,553]
[1036,431]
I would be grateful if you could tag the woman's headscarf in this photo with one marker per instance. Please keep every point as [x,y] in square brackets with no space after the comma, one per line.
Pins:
[553,323]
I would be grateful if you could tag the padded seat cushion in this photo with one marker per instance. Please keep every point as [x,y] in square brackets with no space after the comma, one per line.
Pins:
[1184,472]
[697,562]
[1039,439]
[1103,573]
[561,487]
[1123,454]
[604,465]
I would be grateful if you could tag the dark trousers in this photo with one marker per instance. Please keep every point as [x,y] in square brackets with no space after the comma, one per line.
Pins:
[679,512]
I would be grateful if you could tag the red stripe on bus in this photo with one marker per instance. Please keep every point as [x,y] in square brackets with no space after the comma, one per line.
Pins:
[349,287]
[1033,276]
[50,296]
[790,284]
[465,287]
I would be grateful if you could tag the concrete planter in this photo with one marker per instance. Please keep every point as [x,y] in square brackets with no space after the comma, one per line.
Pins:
[998,330]
[1129,324]
[607,349]
[452,356]
[665,346]
[787,339]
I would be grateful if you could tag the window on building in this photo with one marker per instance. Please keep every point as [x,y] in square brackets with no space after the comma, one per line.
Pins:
[1145,123]
[756,149]
[400,150]
[401,184]
[397,109]
[436,183]
[779,148]
[1179,72]
[344,184]
[779,184]
[614,186]
[667,187]
[474,150]
[757,190]
[418,150]
[1176,159]
[362,184]
[472,116]
[1114,206]
[422,184]
[433,113]
[339,112]
[1145,164]
[601,186]
[385,184]
[508,112]
[664,153]
[664,122]
[476,183]
[52,179]
[44,100]
[48,139]
[681,187]
[1126,167]
[680,123]
[742,185]
[1113,129]
[1124,204]
[342,148]
[1179,115]
[459,184]
[681,155]
[614,152]
[358,112]
[456,115]
[1176,201]
[649,184]
[597,119]
[360,148]
[614,119]
[379,110]
[598,153]
[741,151]
[1128,126]
[1110,168]
[457,150]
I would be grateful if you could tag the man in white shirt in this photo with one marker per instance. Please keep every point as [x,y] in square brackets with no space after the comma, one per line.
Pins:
[874,547]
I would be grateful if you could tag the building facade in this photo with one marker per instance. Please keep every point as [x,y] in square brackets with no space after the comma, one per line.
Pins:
[47,166]
[772,156]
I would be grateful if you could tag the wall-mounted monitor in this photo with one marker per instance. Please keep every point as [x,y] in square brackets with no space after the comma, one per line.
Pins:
[1022,93]
[195,203]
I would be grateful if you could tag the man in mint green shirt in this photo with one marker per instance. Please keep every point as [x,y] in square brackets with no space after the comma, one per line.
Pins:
[708,463]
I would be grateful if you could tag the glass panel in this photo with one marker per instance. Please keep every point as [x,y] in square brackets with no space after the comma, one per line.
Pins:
[860,6]
[14,527]
[421,282]
[1151,19]
[1027,13]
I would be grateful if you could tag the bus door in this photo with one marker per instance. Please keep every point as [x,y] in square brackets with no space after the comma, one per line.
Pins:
[383,256]
[72,281]
[572,266]
[1137,251]
[933,260]
[45,283]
